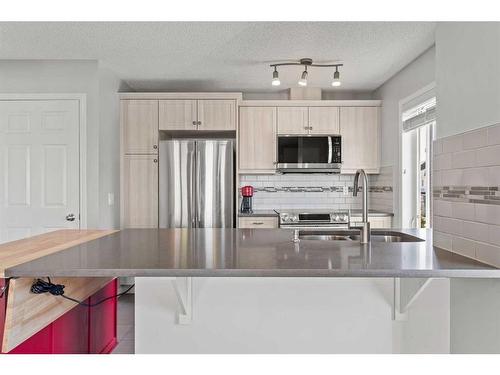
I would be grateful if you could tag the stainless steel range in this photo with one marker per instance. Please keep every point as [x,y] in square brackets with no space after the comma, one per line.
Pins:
[311,219]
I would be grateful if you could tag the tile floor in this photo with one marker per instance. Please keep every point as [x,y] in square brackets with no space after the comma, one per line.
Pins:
[126,333]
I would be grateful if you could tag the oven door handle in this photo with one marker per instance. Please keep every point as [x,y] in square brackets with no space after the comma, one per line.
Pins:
[330,151]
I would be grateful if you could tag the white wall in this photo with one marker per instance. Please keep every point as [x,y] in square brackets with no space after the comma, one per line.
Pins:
[412,78]
[427,326]
[467,76]
[109,147]
[100,87]
[266,315]
[289,315]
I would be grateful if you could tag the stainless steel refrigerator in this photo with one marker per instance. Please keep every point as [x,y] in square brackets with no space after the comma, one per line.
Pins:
[196,183]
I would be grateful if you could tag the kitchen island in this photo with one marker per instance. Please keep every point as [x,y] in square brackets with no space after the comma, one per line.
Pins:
[249,253]
[258,291]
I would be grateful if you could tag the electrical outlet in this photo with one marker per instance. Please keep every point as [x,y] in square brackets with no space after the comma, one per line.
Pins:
[111,199]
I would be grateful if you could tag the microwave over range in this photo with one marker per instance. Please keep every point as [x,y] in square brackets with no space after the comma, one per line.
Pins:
[309,154]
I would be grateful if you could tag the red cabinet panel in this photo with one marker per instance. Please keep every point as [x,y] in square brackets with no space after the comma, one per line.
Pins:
[102,325]
[81,330]
[71,332]
[41,343]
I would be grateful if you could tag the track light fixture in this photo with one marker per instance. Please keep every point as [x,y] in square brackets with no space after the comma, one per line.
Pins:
[306,62]
[276,78]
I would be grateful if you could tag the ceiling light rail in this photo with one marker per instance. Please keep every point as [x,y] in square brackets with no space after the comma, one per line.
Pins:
[306,62]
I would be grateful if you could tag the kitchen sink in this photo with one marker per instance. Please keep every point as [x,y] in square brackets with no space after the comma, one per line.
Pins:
[353,235]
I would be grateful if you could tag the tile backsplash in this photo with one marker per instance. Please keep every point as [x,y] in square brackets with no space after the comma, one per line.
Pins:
[381,190]
[317,191]
[466,194]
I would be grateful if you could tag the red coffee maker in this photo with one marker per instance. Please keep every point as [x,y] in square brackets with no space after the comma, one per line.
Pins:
[246,200]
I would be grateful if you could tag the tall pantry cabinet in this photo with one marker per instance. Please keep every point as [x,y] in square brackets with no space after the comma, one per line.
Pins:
[144,118]
[139,174]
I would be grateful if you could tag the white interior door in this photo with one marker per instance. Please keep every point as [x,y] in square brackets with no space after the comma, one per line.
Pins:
[409,209]
[39,167]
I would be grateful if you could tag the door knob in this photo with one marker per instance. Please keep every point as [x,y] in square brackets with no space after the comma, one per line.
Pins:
[70,217]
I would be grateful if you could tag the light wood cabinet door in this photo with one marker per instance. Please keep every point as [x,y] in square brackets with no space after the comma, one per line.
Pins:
[140,191]
[324,120]
[139,126]
[293,120]
[359,128]
[178,115]
[258,222]
[216,115]
[257,139]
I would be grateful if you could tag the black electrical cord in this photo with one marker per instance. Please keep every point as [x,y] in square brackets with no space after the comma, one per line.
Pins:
[41,286]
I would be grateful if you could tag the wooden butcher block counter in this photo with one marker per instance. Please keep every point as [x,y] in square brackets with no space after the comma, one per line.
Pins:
[22,251]
[35,323]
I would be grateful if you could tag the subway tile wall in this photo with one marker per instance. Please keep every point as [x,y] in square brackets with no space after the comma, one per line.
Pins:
[466,194]
[316,191]
[381,190]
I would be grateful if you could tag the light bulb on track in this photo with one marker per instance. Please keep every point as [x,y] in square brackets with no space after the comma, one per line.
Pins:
[303,78]
[276,79]
[336,78]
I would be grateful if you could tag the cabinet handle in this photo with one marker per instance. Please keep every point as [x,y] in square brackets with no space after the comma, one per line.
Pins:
[194,123]
[155,147]
[258,223]
[155,160]
[199,122]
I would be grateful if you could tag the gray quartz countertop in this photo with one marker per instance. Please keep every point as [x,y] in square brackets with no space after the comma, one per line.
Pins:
[261,213]
[249,252]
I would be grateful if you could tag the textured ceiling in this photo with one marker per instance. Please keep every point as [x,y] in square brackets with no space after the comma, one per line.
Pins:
[225,55]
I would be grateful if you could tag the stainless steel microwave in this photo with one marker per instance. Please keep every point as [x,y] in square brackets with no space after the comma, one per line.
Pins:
[309,154]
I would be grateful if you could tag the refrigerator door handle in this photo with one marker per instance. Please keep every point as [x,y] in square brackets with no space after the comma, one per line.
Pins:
[194,190]
[197,185]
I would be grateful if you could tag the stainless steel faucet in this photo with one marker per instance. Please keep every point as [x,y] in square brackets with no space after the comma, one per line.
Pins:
[364,225]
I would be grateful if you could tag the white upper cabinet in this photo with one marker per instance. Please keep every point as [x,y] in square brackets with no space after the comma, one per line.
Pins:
[257,139]
[178,115]
[308,120]
[206,114]
[293,120]
[324,120]
[139,126]
[360,128]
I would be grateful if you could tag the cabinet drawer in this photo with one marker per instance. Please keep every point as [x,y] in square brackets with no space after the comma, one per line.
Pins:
[258,222]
